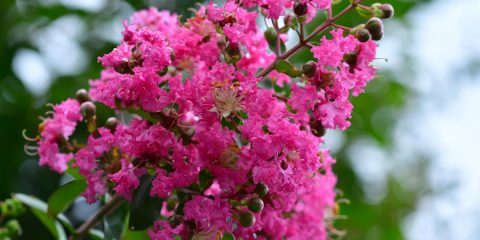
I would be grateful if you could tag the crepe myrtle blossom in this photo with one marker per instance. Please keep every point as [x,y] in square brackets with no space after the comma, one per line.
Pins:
[215,122]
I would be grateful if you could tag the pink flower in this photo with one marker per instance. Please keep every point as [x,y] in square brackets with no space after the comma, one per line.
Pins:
[55,130]
[208,213]
[126,180]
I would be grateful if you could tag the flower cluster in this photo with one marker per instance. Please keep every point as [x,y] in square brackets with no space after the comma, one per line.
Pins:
[226,151]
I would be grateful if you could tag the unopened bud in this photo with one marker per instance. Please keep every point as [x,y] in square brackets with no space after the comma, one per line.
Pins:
[111,123]
[261,189]
[363,35]
[317,128]
[88,109]
[233,53]
[377,36]
[383,10]
[255,205]
[14,229]
[82,95]
[350,58]
[288,20]
[300,9]
[246,219]
[309,68]
[374,26]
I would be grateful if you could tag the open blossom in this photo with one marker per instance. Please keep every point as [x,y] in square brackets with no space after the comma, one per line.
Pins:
[209,122]
[55,131]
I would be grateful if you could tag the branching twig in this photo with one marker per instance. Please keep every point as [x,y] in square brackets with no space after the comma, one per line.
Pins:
[302,44]
[93,220]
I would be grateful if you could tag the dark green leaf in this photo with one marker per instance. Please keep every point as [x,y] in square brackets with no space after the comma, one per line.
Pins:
[243,114]
[287,68]
[228,236]
[144,210]
[64,196]
[205,179]
[128,234]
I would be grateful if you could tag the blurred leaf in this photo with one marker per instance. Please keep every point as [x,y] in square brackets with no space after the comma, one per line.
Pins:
[144,210]
[127,234]
[228,236]
[64,196]
[364,12]
[287,68]
[205,179]
[39,209]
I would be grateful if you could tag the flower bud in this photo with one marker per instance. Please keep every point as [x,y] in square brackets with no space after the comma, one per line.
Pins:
[246,219]
[377,36]
[374,26]
[350,58]
[14,229]
[111,123]
[255,205]
[88,109]
[82,95]
[288,20]
[363,35]
[309,68]
[317,128]
[300,9]
[383,10]
[233,53]
[261,189]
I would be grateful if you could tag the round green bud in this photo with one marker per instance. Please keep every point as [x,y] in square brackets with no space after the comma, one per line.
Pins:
[363,35]
[14,228]
[261,189]
[82,95]
[300,9]
[309,68]
[255,205]
[88,109]
[247,219]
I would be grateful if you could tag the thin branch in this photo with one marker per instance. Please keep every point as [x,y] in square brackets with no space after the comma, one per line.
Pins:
[93,220]
[301,44]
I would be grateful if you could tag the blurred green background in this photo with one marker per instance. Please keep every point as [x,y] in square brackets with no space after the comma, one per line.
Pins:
[56,43]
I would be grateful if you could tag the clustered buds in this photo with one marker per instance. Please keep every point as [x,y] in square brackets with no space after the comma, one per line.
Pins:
[11,208]
[11,230]
[373,29]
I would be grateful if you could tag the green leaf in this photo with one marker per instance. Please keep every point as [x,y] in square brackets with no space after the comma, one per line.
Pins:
[243,114]
[205,179]
[64,196]
[228,236]
[127,234]
[287,68]
[144,210]
[53,226]
[364,12]
[39,209]
[74,173]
